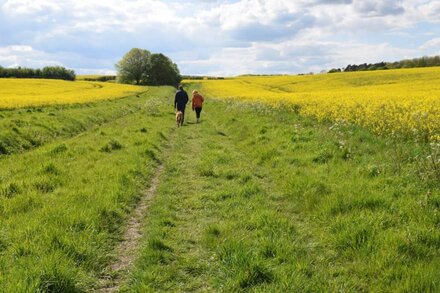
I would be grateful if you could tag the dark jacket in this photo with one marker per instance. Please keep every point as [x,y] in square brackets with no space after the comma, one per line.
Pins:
[180,100]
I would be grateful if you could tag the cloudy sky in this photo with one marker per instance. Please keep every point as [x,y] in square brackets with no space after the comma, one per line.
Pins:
[218,37]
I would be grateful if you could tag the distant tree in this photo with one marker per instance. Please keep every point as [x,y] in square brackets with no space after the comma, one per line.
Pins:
[134,66]
[102,78]
[334,70]
[163,71]
[141,67]
[57,72]
[407,63]
[423,62]
[50,72]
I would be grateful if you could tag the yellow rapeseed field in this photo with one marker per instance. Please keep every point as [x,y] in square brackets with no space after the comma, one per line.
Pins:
[15,93]
[403,102]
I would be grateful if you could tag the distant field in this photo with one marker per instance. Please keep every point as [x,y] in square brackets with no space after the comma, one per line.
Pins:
[402,102]
[84,77]
[95,77]
[16,93]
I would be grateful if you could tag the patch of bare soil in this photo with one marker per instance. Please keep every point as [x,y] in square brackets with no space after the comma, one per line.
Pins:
[127,248]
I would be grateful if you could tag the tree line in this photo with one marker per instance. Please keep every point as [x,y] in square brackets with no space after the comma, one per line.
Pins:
[49,72]
[407,63]
[141,67]
[101,78]
[198,77]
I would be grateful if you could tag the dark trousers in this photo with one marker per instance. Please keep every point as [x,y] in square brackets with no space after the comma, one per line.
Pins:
[198,110]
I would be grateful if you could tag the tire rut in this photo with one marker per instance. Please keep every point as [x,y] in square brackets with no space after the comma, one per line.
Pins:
[127,249]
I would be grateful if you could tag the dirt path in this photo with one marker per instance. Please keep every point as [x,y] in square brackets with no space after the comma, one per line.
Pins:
[127,248]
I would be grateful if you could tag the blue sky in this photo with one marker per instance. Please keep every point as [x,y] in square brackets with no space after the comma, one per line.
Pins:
[218,37]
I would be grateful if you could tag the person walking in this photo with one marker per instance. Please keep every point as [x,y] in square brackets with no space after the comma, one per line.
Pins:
[197,103]
[180,101]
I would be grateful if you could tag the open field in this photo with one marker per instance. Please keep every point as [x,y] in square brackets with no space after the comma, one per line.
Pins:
[63,202]
[103,78]
[400,103]
[84,77]
[255,198]
[15,93]
[262,200]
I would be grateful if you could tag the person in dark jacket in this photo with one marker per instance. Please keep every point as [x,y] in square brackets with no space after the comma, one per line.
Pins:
[180,101]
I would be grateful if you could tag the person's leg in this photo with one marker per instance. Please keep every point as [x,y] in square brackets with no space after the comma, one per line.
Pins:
[183,115]
[198,110]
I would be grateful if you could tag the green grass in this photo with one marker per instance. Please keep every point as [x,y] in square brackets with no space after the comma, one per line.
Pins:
[26,128]
[262,200]
[250,200]
[63,204]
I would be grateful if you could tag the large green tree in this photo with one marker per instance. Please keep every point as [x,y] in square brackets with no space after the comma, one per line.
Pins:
[163,71]
[133,67]
[141,67]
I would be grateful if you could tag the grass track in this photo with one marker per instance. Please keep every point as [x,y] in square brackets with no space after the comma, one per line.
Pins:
[62,204]
[259,200]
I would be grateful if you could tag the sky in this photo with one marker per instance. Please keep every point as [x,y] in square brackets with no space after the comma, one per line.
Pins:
[218,37]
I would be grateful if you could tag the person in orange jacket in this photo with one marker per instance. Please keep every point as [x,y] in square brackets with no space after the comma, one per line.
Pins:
[197,103]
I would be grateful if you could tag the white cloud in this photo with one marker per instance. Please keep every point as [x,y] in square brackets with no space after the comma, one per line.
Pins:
[378,7]
[26,56]
[433,43]
[29,7]
[426,10]
[13,56]
[294,56]
[218,36]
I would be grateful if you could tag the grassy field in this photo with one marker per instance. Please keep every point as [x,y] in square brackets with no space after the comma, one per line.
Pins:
[262,200]
[63,203]
[400,103]
[17,93]
[255,198]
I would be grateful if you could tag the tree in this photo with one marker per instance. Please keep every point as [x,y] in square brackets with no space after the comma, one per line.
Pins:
[334,70]
[141,67]
[163,71]
[134,66]
[57,72]
[51,72]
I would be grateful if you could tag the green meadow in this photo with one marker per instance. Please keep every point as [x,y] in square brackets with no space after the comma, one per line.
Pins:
[252,199]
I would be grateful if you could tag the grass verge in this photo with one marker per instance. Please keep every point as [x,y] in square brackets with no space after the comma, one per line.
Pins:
[63,204]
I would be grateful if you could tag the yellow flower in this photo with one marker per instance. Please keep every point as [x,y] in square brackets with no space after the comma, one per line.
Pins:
[390,102]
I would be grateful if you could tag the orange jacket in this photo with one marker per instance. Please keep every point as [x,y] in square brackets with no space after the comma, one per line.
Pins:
[197,101]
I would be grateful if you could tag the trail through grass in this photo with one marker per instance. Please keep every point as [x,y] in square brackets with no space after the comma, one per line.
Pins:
[126,250]
[253,199]
[259,200]
[63,204]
